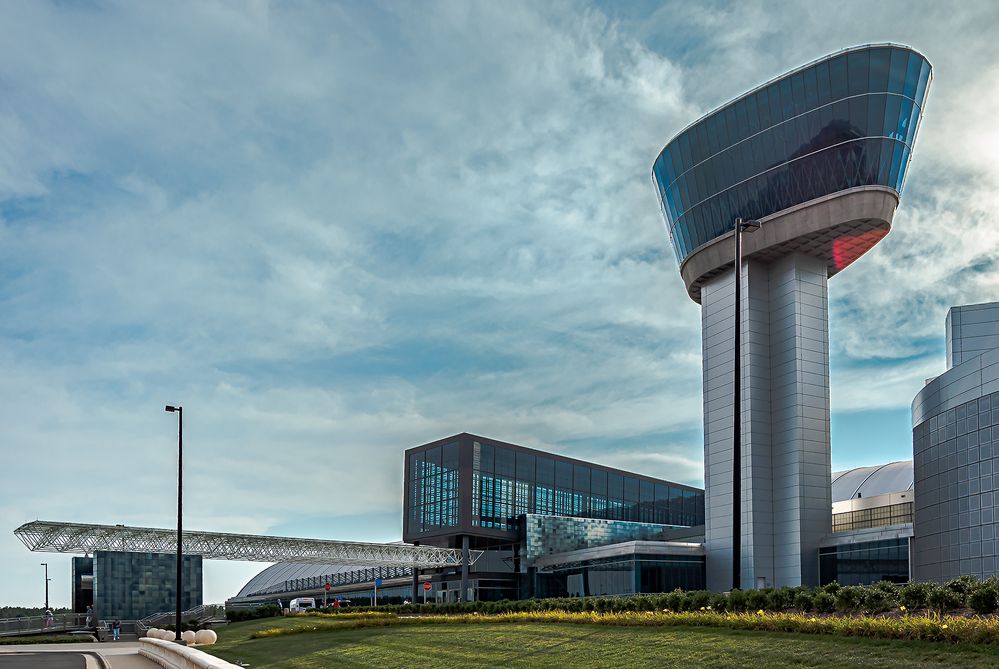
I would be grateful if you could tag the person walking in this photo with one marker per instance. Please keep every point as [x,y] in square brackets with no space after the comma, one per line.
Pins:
[49,618]
[116,630]
[90,615]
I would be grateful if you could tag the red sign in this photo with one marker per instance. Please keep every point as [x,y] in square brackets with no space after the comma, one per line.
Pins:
[427,586]
[328,587]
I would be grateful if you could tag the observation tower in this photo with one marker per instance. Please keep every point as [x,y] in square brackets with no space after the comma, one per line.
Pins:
[818,157]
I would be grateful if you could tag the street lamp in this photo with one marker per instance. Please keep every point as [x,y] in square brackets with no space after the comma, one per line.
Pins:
[47,579]
[180,509]
[740,227]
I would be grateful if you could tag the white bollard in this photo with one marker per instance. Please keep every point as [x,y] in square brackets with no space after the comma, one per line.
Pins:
[187,636]
[205,637]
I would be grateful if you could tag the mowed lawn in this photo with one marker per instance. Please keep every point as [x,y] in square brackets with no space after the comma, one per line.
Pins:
[565,645]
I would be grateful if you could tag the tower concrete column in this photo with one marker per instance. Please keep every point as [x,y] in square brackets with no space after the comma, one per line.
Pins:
[785,461]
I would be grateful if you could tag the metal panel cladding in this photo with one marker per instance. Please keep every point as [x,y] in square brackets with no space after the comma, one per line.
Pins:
[847,120]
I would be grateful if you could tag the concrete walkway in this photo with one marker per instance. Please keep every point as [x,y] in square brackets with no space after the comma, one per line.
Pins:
[119,655]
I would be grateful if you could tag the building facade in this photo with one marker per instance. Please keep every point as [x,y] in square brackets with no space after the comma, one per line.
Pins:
[955,441]
[131,586]
[819,157]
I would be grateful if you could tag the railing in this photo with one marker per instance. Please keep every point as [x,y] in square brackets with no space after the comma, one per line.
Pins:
[60,622]
[353,577]
[199,613]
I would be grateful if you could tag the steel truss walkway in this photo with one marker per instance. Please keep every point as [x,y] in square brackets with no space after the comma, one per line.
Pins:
[53,537]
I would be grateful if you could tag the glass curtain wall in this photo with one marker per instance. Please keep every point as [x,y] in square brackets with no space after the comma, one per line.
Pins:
[507,483]
[865,563]
[845,121]
[433,494]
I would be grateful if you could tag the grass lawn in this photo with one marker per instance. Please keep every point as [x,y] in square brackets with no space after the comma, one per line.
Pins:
[553,645]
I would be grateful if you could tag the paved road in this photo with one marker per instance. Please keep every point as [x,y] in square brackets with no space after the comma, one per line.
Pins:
[43,661]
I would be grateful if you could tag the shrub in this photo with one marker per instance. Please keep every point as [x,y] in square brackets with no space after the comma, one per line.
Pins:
[962,587]
[942,598]
[674,601]
[832,588]
[882,596]
[824,602]
[804,600]
[736,601]
[913,595]
[265,611]
[757,599]
[984,597]
[780,599]
[699,599]
[719,602]
[849,598]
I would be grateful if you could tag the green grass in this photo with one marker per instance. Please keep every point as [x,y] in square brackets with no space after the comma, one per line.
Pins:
[551,645]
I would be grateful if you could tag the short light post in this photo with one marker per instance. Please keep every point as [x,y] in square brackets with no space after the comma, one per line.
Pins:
[180,511]
[740,227]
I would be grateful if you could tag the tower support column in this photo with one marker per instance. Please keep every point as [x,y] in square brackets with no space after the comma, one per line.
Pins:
[785,460]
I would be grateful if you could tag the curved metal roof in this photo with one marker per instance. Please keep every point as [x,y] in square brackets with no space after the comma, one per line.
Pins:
[872,481]
[286,571]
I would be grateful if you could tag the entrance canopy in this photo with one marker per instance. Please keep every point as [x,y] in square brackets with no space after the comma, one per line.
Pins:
[54,537]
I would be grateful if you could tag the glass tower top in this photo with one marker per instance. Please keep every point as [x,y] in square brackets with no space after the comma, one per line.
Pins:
[847,120]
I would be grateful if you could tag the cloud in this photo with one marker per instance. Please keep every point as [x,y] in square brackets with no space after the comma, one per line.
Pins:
[332,232]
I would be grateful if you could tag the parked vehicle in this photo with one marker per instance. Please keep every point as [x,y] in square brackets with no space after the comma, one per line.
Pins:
[300,604]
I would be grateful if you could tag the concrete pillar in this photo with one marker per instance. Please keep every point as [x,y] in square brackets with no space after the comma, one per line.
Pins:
[785,460]
[464,568]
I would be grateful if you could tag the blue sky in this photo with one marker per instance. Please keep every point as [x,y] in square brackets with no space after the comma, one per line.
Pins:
[336,230]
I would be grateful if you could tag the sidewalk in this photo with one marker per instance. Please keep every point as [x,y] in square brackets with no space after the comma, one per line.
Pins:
[119,655]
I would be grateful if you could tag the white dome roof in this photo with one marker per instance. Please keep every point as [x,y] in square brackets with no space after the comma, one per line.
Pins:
[872,481]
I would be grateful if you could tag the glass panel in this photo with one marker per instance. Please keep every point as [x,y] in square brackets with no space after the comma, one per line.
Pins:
[824,86]
[450,456]
[924,77]
[858,66]
[598,482]
[752,116]
[880,60]
[896,73]
[763,109]
[563,475]
[525,466]
[811,89]
[546,471]
[581,478]
[875,115]
[786,99]
[912,75]
[890,127]
[505,462]
[798,93]
[838,78]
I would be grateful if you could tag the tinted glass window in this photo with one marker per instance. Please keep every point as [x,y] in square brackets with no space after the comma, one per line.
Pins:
[880,62]
[581,478]
[546,471]
[505,462]
[563,475]
[525,466]
[858,66]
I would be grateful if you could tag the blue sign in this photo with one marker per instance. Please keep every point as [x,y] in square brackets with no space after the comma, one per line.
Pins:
[378,582]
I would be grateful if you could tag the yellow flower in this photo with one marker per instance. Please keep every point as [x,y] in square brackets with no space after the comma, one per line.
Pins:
[702,608]
[901,608]
[709,608]
[760,612]
[813,620]
[945,627]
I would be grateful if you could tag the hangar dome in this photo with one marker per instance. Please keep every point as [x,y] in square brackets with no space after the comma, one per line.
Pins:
[872,481]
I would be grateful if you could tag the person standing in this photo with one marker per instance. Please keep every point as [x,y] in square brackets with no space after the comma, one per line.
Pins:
[90,615]
[116,630]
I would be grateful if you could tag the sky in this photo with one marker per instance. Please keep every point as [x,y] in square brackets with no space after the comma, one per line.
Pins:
[333,231]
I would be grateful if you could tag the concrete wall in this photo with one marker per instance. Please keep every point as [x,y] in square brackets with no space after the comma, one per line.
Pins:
[786,468]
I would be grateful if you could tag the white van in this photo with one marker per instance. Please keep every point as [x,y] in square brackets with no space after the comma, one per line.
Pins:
[302,604]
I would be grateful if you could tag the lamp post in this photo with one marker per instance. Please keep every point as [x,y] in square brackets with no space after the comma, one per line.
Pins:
[47,579]
[740,227]
[180,511]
